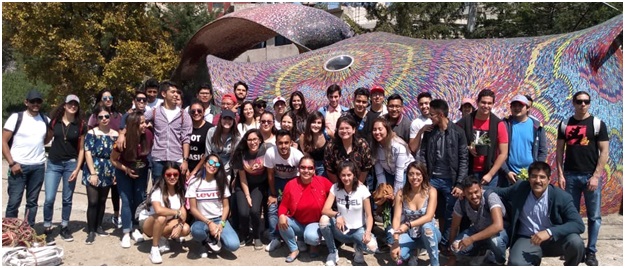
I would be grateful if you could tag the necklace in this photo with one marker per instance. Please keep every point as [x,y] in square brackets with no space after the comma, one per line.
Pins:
[64,131]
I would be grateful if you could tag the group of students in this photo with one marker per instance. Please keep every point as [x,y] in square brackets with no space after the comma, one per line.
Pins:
[318,176]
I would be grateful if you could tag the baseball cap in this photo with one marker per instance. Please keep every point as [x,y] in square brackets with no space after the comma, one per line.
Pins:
[72,97]
[277,99]
[521,99]
[469,101]
[228,113]
[229,96]
[33,94]
[376,89]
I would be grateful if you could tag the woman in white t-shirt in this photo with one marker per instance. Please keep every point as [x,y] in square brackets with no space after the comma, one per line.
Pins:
[167,214]
[353,221]
[208,195]
[248,120]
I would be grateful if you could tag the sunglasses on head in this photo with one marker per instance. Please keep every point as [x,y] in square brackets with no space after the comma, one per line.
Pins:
[579,102]
[107,98]
[172,174]
[214,163]
[107,116]
[196,111]
[141,99]
[35,101]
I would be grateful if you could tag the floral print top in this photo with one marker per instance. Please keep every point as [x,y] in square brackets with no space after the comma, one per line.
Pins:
[335,154]
[100,147]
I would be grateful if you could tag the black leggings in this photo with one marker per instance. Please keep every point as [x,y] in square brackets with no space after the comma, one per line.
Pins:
[97,202]
[258,193]
[115,199]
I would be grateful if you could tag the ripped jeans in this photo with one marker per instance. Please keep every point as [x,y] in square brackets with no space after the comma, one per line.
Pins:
[429,239]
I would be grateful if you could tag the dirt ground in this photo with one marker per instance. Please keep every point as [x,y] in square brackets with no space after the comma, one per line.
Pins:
[107,250]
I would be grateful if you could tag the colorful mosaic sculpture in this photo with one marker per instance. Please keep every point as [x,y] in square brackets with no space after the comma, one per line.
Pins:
[549,68]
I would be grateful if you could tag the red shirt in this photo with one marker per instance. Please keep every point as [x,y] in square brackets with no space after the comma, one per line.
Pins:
[304,202]
[502,137]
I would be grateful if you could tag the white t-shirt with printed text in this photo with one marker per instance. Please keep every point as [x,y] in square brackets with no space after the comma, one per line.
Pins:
[207,197]
[354,216]
[283,168]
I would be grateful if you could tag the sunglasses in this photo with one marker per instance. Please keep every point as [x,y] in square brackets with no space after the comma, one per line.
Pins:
[347,202]
[141,99]
[196,111]
[107,98]
[261,106]
[172,174]
[214,163]
[579,102]
[266,121]
[35,101]
[307,167]
[107,116]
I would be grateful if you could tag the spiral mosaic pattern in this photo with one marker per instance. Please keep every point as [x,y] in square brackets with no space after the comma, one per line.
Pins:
[550,68]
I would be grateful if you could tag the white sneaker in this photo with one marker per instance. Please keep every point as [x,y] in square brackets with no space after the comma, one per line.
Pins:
[413,261]
[358,255]
[301,246]
[332,260]
[155,255]
[163,245]
[273,245]
[137,236]
[125,241]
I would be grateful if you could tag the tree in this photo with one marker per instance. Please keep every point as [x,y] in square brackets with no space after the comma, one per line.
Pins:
[182,20]
[80,48]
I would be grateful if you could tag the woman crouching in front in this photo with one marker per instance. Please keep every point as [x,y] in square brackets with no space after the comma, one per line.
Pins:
[208,197]
[167,215]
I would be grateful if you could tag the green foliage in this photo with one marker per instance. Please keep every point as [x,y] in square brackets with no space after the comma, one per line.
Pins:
[80,48]
[15,86]
[182,20]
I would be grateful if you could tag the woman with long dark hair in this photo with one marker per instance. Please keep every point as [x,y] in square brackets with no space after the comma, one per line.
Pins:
[64,162]
[248,120]
[222,138]
[313,142]
[390,153]
[251,190]
[287,124]
[208,195]
[347,146]
[98,173]
[167,214]
[413,219]
[297,105]
[268,128]
[131,171]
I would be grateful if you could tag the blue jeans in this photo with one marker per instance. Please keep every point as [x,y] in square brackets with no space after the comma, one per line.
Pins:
[229,238]
[445,205]
[309,233]
[55,172]
[320,170]
[157,170]
[497,244]
[429,242]
[132,192]
[272,210]
[493,182]
[31,180]
[330,232]
[576,184]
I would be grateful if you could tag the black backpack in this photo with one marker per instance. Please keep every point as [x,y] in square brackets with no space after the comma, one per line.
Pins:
[20,117]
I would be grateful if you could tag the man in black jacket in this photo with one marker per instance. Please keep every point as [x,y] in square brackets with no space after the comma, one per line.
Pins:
[544,221]
[444,150]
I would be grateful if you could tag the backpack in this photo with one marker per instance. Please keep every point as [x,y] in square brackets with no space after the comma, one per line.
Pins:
[596,124]
[20,117]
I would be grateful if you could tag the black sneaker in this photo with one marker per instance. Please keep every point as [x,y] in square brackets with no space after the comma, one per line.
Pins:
[213,244]
[100,231]
[591,259]
[49,237]
[66,234]
[90,238]
[245,241]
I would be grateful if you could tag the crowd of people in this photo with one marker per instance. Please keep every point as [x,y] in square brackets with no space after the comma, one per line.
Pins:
[315,178]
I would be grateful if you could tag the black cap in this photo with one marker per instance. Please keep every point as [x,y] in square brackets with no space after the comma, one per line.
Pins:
[33,94]
[228,113]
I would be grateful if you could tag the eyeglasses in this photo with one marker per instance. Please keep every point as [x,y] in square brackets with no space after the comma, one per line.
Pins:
[347,202]
[266,121]
[107,98]
[214,163]
[196,111]
[253,140]
[307,167]
[141,99]
[107,116]
[579,102]
[35,101]
[172,174]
